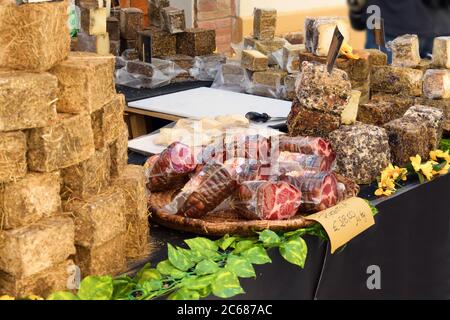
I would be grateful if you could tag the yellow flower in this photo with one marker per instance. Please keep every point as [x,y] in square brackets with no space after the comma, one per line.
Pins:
[439,154]
[416,162]
[379,192]
[427,170]
[443,171]
[33,297]
[7,298]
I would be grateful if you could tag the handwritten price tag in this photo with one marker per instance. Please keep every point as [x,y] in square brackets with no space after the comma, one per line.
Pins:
[345,221]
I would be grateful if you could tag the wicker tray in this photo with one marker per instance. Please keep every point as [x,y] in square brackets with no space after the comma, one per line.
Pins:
[228,222]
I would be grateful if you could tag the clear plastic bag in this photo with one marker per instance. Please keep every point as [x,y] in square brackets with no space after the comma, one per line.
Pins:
[170,169]
[319,190]
[206,67]
[292,161]
[204,192]
[264,200]
[265,91]
[231,77]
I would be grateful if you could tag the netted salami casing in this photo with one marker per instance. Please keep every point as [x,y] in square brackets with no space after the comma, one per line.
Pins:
[264,200]
[170,169]
[308,145]
[319,189]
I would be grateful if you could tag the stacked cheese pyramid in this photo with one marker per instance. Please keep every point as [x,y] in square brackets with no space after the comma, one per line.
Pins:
[67,194]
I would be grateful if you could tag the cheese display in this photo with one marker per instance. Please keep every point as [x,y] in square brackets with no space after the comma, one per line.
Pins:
[379,112]
[443,104]
[441,52]
[196,42]
[319,33]
[289,87]
[317,89]
[362,151]
[154,11]
[163,43]
[264,23]
[389,79]
[131,20]
[405,51]
[173,20]
[296,37]
[436,84]
[93,21]
[113,28]
[433,119]
[254,60]
[93,43]
[271,78]
[291,60]
[350,112]
[377,57]
[407,139]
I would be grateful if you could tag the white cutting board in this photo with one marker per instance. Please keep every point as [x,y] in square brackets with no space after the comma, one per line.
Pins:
[208,102]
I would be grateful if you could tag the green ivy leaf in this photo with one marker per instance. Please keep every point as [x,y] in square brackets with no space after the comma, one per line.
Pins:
[243,245]
[166,268]
[198,283]
[225,242]
[204,292]
[200,244]
[240,266]
[122,288]
[256,255]
[179,259]
[152,285]
[294,251]
[269,238]
[226,285]
[295,233]
[96,288]
[206,267]
[184,294]
[147,275]
[194,255]
[62,295]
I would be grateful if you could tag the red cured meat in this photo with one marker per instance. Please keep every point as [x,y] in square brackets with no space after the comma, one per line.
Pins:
[170,169]
[264,200]
[319,190]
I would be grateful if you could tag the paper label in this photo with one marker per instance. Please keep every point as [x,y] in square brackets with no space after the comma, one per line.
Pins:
[345,221]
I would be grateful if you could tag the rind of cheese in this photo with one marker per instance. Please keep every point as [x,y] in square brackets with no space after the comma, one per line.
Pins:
[93,21]
[350,113]
[441,52]
[318,39]
[436,84]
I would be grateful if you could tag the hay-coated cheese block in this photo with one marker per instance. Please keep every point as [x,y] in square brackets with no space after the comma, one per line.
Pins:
[183,61]
[350,112]
[433,118]
[98,219]
[173,20]
[114,48]
[131,21]
[132,184]
[93,21]
[24,102]
[254,60]
[269,46]
[319,33]
[289,84]
[30,199]
[317,89]
[196,42]
[13,150]
[296,37]
[28,250]
[119,152]
[394,80]
[95,43]
[362,151]
[107,259]
[68,141]
[407,139]
[264,23]
[424,65]
[163,43]
[154,11]
[87,178]
[401,102]
[142,68]
[233,74]
[405,51]
[291,59]
[42,284]
[107,123]
[271,77]
[436,84]
[443,104]
[377,57]
[378,113]
[441,52]
[303,121]
[113,28]
[34,37]
[85,81]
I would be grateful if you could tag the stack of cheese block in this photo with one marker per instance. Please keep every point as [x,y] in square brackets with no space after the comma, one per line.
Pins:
[261,68]
[93,36]
[67,195]
[406,112]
